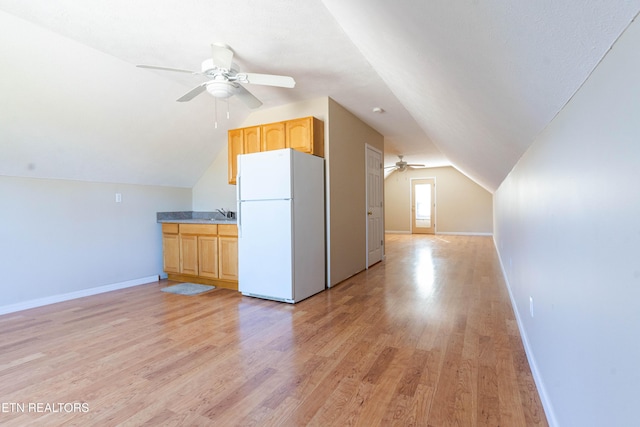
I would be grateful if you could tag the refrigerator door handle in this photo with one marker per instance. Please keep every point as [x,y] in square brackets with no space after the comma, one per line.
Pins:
[239,208]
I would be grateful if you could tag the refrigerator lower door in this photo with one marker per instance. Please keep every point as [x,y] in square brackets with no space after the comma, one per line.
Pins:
[265,250]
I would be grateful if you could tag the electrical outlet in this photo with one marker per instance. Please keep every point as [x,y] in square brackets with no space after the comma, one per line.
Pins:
[531,306]
[118,197]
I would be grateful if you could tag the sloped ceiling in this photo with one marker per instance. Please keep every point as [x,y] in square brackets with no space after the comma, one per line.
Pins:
[466,83]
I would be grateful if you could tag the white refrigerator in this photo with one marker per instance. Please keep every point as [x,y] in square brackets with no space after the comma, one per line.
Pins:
[281,225]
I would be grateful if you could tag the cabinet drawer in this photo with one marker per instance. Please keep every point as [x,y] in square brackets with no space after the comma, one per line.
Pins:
[170,228]
[199,229]
[228,230]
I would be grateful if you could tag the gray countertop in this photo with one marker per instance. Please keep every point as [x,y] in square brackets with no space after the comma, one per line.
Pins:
[197,221]
[193,217]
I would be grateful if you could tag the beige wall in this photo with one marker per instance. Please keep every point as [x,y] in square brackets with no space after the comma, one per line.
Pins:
[462,206]
[347,190]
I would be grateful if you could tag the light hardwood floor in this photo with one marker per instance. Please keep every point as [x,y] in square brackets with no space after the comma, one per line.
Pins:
[425,338]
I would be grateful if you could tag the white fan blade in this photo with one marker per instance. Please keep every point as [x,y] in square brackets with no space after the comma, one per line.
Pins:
[415,165]
[222,56]
[153,67]
[269,80]
[247,97]
[193,93]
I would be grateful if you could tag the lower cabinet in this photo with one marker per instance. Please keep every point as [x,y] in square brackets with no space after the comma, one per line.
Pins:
[189,254]
[208,256]
[170,249]
[228,257]
[201,253]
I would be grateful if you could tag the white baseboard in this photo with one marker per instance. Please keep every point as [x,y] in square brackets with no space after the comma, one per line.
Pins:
[463,233]
[12,308]
[544,397]
[452,233]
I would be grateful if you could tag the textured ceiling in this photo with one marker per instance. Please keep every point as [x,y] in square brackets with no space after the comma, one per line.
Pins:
[466,83]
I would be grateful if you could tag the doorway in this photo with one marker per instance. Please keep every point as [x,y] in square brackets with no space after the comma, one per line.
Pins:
[375,223]
[423,220]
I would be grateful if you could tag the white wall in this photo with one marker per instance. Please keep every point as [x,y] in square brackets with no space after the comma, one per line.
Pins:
[60,237]
[93,117]
[567,228]
[462,206]
[213,191]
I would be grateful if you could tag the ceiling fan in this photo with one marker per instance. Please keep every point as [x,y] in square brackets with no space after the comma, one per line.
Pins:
[224,78]
[402,166]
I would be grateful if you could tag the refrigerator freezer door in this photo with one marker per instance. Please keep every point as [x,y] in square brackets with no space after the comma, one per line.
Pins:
[265,175]
[265,250]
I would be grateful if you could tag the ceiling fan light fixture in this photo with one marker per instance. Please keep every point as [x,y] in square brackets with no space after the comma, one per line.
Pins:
[219,89]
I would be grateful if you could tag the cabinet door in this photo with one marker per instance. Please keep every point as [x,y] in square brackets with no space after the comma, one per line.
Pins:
[306,135]
[189,254]
[208,256]
[171,253]
[228,257]
[273,136]
[236,146]
[299,134]
[251,139]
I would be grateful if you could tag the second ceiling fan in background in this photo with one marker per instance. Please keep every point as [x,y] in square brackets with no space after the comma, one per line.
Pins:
[402,166]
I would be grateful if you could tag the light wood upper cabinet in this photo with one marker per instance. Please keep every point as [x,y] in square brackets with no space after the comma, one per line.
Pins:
[251,140]
[236,146]
[273,136]
[306,135]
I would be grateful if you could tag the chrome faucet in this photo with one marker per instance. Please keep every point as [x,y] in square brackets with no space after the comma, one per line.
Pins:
[222,212]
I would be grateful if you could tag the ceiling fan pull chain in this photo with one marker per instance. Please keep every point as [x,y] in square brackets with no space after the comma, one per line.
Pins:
[215,108]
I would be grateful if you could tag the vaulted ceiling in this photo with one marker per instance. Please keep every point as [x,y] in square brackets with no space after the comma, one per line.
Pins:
[463,83]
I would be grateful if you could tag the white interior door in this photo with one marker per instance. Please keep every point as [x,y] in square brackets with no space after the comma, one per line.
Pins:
[375,223]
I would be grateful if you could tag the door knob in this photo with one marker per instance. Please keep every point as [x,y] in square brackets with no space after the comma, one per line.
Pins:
[369,213]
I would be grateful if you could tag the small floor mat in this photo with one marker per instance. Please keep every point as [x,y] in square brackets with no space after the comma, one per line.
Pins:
[187,289]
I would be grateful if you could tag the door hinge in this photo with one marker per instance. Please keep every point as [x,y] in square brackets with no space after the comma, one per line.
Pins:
[381,242]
